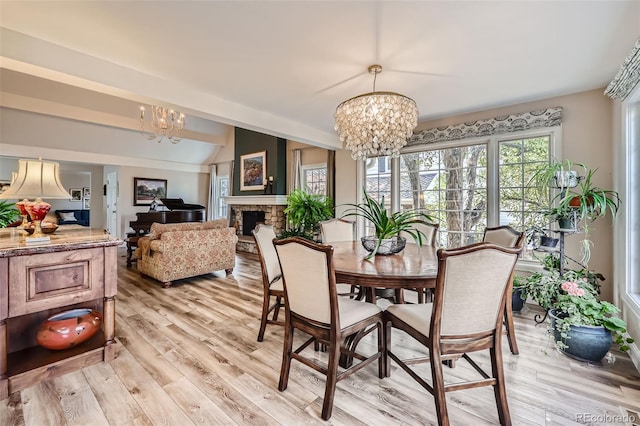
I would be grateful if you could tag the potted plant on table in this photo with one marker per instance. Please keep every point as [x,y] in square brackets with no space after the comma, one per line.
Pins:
[387,226]
[582,326]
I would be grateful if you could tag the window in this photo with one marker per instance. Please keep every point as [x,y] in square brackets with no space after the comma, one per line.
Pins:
[519,205]
[451,185]
[314,179]
[378,184]
[222,191]
[468,185]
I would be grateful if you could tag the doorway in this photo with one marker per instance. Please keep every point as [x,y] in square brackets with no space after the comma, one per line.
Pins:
[112,203]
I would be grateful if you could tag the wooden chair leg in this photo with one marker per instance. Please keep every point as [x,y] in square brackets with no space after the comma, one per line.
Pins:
[499,389]
[511,331]
[286,357]
[420,295]
[381,350]
[439,394]
[386,327]
[332,379]
[263,318]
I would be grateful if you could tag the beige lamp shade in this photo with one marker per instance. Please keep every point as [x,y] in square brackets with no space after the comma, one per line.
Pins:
[36,178]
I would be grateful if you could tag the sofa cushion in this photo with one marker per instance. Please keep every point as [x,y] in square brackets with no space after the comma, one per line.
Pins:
[158,228]
[68,217]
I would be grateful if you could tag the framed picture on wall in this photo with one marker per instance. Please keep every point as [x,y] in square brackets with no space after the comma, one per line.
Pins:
[4,185]
[76,194]
[86,192]
[145,190]
[86,203]
[253,171]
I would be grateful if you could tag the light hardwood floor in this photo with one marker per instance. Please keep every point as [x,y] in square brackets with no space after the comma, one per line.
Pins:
[189,355]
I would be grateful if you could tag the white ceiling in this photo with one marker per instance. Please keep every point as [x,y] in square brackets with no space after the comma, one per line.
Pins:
[283,67]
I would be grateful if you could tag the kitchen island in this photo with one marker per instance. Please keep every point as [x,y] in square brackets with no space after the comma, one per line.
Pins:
[76,269]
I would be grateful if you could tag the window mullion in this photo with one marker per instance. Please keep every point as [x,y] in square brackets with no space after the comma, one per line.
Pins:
[395,184]
[493,196]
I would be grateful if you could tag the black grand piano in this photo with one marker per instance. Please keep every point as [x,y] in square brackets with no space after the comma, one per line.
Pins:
[178,211]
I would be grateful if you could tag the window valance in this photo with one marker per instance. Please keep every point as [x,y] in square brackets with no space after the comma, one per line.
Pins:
[549,117]
[627,77]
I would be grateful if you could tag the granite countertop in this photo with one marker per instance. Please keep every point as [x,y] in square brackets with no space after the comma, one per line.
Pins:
[66,237]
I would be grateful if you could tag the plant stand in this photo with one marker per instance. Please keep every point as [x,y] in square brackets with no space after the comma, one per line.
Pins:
[539,319]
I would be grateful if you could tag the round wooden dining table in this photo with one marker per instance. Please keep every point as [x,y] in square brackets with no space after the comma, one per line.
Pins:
[413,268]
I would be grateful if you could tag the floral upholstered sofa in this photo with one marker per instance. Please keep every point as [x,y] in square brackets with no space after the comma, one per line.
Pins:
[174,251]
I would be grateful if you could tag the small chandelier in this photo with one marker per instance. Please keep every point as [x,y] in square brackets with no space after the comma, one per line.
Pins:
[165,122]
[376,123]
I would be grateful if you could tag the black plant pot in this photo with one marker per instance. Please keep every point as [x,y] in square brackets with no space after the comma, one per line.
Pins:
[566,223]
[585,342]
[548,242]
[517,302]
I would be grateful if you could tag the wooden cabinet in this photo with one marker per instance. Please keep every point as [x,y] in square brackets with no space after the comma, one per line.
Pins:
[78,269]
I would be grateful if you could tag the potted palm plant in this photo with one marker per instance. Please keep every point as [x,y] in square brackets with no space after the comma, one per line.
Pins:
[387,226]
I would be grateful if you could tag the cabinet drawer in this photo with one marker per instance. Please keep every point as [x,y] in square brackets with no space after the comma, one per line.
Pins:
[40,281]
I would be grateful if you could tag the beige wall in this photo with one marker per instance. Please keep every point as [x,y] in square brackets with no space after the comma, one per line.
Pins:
[586,138]
[191,187]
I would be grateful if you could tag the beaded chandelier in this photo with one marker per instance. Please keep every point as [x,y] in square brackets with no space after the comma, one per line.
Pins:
[376,123]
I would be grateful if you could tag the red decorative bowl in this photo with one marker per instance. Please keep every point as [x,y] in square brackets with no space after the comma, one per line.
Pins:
[68,329]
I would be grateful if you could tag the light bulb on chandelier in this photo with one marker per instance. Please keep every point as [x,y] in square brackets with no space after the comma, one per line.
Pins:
[165,122]
[376,123]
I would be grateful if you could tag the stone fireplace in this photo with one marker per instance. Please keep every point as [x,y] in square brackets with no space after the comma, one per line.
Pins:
[271,205]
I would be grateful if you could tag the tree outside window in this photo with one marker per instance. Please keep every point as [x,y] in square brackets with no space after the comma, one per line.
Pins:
[453,185]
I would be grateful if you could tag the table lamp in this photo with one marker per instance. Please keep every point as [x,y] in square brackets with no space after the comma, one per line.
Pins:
[36,179]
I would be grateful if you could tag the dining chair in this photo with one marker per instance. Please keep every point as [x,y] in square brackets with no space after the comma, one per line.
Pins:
[466,316]
[312,306]
[508,237]
[336,230]
[429,238]
[429,233]
[271,277]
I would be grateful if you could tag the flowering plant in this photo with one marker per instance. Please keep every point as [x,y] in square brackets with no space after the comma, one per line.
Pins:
[574,301]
